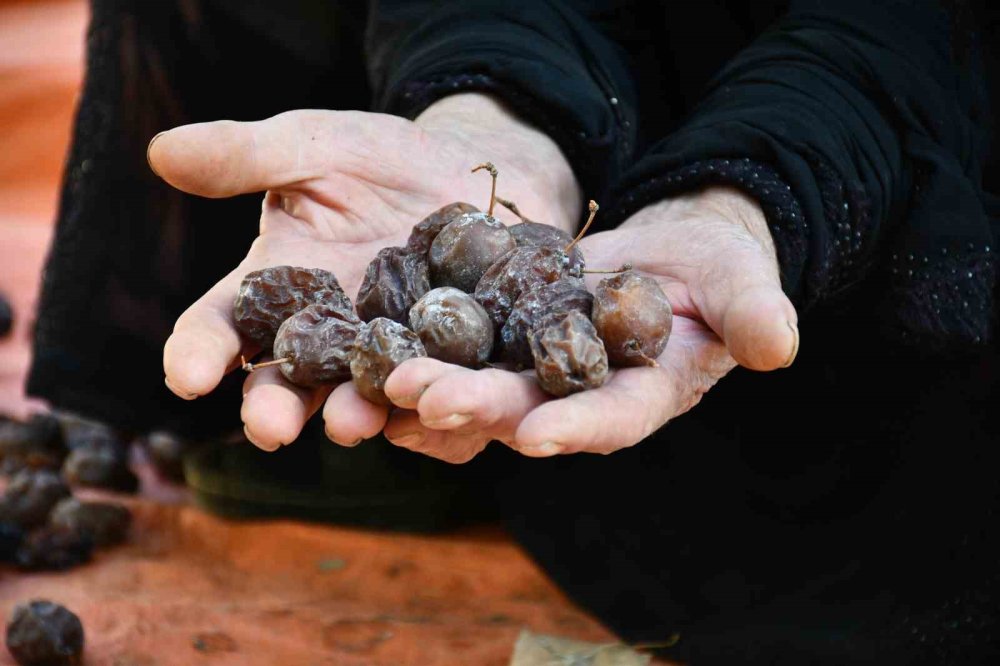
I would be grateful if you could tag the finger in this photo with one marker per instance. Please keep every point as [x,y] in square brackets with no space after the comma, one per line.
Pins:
[407,383]
[274,410]
[226,158]
[405,430]
[349,418]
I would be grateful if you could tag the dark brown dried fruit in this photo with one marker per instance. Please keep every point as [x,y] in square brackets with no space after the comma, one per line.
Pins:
[80,431]
[11,538]
[569,357]
[466,248]
[515,273]
[52,548]
[396,278]
[453,327]
[104,523]
[633,317]
[319,341]
[381,346]
[30,496]
[266,298]
[167,451]
[41,633]
[37,443]
[425,231]
[101,464]
[535,234]
[535,304]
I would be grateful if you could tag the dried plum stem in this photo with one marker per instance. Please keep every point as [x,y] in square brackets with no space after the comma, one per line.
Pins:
[493,192]
[511,206]
[621,269]
[593,212]
[250,367]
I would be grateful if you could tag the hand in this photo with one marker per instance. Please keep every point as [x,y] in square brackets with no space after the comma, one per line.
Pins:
[713,256]
[340,186]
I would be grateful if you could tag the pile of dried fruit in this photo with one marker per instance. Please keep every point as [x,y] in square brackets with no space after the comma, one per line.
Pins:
[466,289]
[41,633]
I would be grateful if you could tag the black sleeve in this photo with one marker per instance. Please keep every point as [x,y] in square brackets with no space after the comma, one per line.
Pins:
[860,127]
[548,60]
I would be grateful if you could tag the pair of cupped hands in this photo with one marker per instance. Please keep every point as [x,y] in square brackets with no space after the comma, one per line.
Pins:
[340,185]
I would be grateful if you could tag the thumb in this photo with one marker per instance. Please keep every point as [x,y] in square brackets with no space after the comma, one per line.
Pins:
[227,158]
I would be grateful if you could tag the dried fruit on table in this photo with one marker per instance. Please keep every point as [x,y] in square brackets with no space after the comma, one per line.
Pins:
[104,523]
[535,234]
[536,303]
[101,464]
[41,633]
[318,342]
[453,327]
[568,355]
[425,231]
[36,443]
[30,496]
[516,272]
[395,279]
[380,347]
[633,317]
[266,298]
[53,548]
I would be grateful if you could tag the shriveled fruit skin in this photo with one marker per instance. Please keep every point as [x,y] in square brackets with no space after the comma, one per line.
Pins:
[53,548]
[633,317]
[538,302]
[380,347]
[569,357]
[30,496]
[453,327]
[319,340]
[536,234]
[104,523]
[34,444]
[266,298]
[101,464]
[396,278]
[466,248]
[425,231]
[41,633]
[516,272]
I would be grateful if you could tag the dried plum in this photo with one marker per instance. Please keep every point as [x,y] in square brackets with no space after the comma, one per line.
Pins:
[30,496]
[535,234]
[266,298]
[36,443]
[104,523]
[633,317]
[80,431]
[380,347]
[318,341]
[517,271]
[41,633]
[425,231]
[453,327]
[395,279]
[101,464]
[53,548]
[569,357]
[531,307]
[466,248]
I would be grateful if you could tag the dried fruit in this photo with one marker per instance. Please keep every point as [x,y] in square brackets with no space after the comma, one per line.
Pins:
[266,298]
[453,327]
[166,451]
[633,317]
[531,307]
[30,496]
[35,444]
[535,234]
[104,523]
[101,464]
[569,357]
[6,317]
[380,347]
[466,248]
[516,272]
[52,548]
[425,231]
[11,538]
[41,633]
[80,431]
[313,346]
[395,279]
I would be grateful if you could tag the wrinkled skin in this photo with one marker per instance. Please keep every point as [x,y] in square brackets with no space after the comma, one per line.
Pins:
[396,278]
[30,496]
[532,306]
[380,346]
[535,234]
[569,357]
[633,317]
[266,298]
[35,444]
[319,340]
[104,523]
[515,273]
[466,248]
[41,632]
[453,327]
[101,464]
[425,231]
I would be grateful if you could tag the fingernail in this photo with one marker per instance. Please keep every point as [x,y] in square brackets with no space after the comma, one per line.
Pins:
[543,451]
[409,441]
[149,149]
[795,345]
[179,393]
[448,422]
[250,438]
[408,400]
